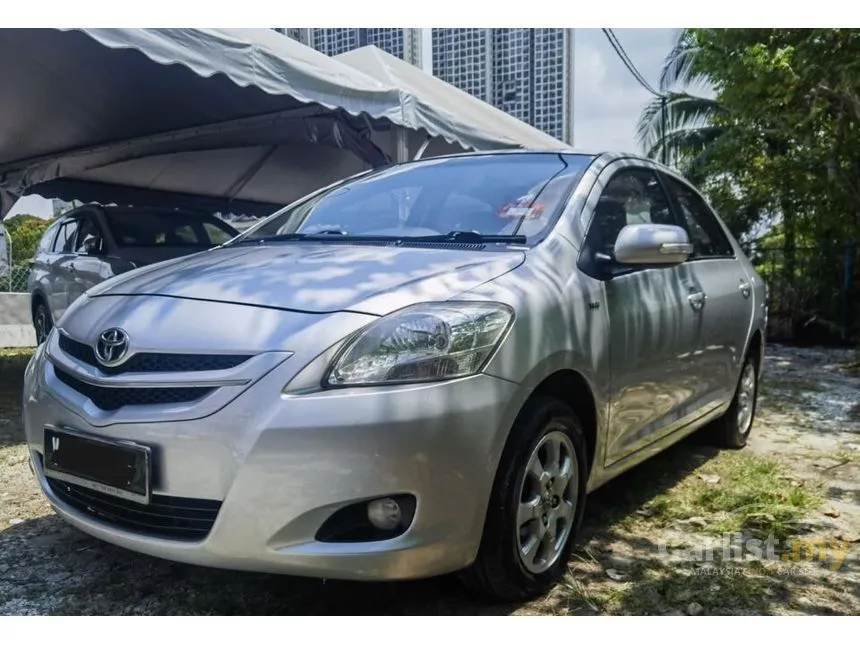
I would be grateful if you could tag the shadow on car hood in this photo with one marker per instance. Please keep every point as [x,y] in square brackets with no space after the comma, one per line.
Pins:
[317,277]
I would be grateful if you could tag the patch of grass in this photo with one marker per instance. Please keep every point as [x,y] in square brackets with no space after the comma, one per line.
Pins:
[665,589]
[13,362]
[656,588]
[751,492]
[847,455]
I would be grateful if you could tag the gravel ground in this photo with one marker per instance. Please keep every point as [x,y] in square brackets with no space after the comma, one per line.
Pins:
[808,428]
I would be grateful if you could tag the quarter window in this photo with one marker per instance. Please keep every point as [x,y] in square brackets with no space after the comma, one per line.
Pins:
[705,232]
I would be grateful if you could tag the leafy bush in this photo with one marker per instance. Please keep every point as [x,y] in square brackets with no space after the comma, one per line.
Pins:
[24,232]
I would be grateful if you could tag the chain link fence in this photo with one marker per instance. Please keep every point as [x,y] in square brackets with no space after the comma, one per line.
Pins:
[813,291]
[16,280]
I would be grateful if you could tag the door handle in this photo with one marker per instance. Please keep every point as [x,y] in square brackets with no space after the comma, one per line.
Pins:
[72,268]
[745,289]
[697,300]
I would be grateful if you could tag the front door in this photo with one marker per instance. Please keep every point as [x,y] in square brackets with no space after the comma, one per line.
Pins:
[654,325]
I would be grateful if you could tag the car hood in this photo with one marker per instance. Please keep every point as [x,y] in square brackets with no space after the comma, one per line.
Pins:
[317,277]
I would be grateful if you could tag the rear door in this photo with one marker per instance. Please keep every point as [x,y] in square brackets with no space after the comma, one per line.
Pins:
[727,293]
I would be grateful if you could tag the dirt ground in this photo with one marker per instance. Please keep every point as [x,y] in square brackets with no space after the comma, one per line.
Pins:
[794,494]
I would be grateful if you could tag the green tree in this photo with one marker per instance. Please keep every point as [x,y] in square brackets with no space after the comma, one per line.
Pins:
[688,130]
[787,150]
[24,232]
[791,122]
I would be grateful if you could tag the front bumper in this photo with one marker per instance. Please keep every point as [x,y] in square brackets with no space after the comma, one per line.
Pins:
[281,465]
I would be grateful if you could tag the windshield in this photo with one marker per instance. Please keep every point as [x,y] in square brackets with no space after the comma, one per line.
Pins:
[490,195]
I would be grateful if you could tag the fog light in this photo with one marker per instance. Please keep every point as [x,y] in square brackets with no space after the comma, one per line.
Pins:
[383,518]
[384,513]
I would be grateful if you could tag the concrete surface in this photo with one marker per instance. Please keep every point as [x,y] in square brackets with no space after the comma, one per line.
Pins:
[16,327]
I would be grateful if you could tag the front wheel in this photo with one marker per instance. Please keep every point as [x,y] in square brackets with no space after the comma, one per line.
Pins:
[536,505]
[733,429]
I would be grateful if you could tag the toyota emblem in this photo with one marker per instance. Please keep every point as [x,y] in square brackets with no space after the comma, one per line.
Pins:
[112,346]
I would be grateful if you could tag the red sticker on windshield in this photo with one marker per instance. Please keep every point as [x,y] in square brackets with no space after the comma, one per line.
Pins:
[518,211]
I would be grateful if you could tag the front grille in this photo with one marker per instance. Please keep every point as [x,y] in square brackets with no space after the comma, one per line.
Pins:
[113,398]
[153,362]
[176,518]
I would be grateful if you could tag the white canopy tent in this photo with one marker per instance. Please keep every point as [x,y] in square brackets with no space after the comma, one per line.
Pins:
[437,107]
[240,120]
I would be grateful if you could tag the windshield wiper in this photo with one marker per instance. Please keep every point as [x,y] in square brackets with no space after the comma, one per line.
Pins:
[470,237]
[319,235]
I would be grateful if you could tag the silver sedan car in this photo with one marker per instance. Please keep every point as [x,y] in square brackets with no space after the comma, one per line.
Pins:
[418,370]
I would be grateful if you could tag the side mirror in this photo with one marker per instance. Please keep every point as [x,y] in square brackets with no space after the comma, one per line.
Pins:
[652,244]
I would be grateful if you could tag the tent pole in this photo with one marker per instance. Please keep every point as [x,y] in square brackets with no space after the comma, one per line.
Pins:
[402,145]
[423,148]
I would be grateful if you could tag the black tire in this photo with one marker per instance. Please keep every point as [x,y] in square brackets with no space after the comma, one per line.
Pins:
[42,322]
[498,570]
[727,431]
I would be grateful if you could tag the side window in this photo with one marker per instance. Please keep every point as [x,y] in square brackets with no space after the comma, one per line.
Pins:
[47,241]
[632,196]
[65,242]
[707,236]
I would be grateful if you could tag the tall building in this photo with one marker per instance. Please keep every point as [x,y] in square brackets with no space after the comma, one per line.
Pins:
[403,43]
[464,58]
[528,73]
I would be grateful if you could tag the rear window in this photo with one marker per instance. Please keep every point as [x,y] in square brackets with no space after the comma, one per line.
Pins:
[166,230]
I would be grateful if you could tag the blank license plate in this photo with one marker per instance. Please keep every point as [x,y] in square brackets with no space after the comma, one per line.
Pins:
[119,468]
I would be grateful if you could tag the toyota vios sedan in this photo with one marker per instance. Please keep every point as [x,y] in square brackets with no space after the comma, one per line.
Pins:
[421,369]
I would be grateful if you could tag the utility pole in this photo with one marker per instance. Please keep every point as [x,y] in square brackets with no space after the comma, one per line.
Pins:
[665,146]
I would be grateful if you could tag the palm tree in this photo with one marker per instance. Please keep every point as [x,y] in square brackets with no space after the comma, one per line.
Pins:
[682,135]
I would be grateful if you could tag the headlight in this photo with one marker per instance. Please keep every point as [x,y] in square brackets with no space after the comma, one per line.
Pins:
[420,343]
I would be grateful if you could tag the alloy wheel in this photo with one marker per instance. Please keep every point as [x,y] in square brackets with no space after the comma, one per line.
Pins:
[547,502]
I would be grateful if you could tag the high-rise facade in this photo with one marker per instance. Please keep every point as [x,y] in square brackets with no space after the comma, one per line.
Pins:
[528,73]
[403,43]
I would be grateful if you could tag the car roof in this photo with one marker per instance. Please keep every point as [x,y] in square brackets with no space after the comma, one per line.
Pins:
[604,157]
[114,209]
